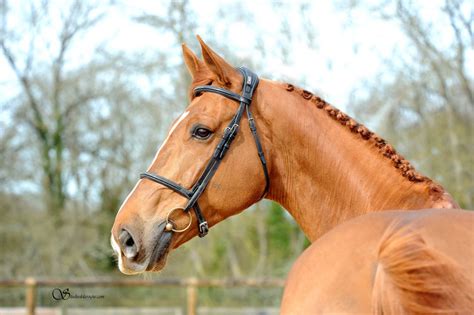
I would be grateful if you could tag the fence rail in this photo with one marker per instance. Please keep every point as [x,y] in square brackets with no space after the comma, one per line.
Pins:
[191,284]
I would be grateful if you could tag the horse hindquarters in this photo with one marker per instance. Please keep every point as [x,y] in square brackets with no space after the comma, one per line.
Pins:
[412,278]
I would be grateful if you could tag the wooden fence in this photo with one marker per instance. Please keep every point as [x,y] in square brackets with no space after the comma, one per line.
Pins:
[191,284]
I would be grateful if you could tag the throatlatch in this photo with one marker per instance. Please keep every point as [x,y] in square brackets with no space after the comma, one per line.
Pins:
[245,99]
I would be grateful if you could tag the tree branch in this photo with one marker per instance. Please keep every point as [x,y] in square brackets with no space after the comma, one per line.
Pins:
[39,124]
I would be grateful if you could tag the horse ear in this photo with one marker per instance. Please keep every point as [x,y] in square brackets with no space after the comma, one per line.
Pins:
[226,73]
[193,63]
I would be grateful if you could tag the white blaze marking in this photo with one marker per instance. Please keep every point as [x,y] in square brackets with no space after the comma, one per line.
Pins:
[180,119]
[126,199]
[156,156]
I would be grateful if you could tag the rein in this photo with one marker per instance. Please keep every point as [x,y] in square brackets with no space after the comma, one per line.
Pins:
[245,99]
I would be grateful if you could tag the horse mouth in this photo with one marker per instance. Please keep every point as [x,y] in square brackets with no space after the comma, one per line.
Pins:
[161,249]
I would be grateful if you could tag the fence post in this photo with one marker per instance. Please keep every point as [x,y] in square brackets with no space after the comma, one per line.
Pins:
[191,294]
[30,296]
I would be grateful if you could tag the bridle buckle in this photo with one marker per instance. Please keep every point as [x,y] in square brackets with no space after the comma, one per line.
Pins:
[230,132]
[203,229]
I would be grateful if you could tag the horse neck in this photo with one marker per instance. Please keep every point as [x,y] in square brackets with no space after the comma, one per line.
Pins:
[325,168]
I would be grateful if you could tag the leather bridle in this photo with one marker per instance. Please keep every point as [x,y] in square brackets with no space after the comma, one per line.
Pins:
[249,85]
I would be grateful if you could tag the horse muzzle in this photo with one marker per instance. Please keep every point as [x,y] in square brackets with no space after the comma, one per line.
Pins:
[135,255]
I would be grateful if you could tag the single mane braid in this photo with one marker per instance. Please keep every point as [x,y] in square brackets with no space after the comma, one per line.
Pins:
[387,150]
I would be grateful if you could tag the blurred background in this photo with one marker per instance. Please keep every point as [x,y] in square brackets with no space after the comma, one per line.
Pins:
[88,90]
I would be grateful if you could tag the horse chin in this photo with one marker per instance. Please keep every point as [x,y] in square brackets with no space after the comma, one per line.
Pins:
[158,265]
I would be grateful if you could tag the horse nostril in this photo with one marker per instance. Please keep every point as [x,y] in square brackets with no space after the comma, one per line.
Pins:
[127,244]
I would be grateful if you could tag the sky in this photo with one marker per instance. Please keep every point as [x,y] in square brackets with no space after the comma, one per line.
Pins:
[345,54]
[347,49]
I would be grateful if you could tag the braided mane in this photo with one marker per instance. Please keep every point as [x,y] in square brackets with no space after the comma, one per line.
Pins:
[387,150]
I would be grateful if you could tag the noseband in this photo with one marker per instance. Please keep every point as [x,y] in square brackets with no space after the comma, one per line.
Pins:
[249,85]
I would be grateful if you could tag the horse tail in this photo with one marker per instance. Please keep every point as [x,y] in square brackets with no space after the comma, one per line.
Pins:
[413,278]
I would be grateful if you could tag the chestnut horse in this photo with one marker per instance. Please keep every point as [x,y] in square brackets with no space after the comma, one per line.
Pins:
[326,170]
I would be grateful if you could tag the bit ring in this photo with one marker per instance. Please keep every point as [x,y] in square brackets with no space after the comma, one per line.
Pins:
[181,230]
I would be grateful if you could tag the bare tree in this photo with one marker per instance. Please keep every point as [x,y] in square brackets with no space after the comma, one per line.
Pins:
[47,112]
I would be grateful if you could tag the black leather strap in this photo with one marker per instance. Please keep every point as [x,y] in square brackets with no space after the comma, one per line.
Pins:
[203,226]
[250,82]
[249,85]
[261,155]
[168,183]
[198,90]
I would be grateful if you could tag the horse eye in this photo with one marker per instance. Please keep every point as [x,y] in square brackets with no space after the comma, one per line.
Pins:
[202,133]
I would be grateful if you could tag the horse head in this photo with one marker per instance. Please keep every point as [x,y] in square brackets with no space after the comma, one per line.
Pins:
[209,166]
